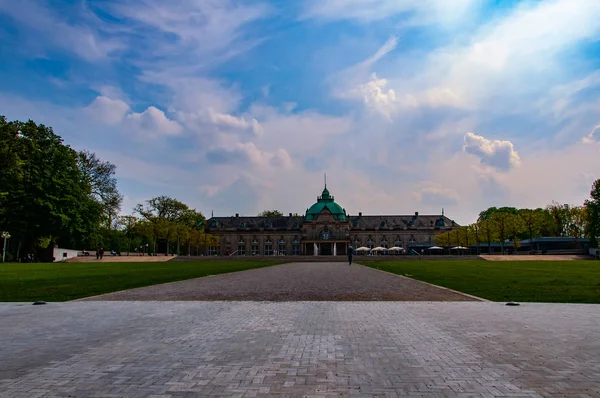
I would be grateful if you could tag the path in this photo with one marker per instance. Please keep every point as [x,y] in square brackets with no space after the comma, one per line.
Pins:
[296,349]
[295,282]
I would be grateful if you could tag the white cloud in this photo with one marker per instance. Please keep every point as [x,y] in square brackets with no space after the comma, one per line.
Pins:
[593,137]
[248,154]
[376,97]
[107,110]
[422,11]
[83,39]
[153,122]
[498,154]
[206,32]
[233,122]
[436,195]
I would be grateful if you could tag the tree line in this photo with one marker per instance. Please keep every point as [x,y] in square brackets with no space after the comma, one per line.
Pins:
[499,225]
[52,194]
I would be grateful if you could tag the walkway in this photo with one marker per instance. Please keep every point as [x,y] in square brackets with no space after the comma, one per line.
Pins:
[296,349]
[295,282]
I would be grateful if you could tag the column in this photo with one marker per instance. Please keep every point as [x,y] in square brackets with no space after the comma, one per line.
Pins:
[334,248]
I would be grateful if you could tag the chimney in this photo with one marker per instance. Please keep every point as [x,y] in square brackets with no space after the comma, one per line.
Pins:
[416,213]
[360,213]
[237,214]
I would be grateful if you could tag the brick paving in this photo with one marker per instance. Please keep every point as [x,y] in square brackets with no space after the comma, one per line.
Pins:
[298,349]
[295,282]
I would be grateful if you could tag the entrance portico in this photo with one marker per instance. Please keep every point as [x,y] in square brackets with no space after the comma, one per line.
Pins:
[325,247]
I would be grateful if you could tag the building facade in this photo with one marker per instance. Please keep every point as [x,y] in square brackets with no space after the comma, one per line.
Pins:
[325,229]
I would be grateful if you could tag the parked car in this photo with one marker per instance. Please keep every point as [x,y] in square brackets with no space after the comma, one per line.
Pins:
[83,253]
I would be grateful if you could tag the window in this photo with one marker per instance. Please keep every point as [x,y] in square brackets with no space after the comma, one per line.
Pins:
[384,242]
[325,234]
[254,247]
[241,248]
[370,242]
[295,247]
[398,242]
[412,239]
[356,241]
[213,251]
[281,248]
[268,247]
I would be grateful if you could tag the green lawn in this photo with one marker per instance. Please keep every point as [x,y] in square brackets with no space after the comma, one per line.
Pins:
[69,281]
[525,281]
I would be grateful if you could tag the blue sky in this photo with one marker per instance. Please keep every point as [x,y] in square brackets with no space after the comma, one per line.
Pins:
[239,106]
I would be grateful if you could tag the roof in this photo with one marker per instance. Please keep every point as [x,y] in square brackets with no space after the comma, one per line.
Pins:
[283,223]
[294,223]
[325,201]
[399,222]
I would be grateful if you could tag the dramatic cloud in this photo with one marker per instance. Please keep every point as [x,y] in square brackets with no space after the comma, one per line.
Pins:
[499,154]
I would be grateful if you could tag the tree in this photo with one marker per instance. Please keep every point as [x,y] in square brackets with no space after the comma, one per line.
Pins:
[270,213]
[507,223]
[103,185]
[157,213]
[47,199]
[592,205]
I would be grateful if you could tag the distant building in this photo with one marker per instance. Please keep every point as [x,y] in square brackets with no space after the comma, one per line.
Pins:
[325,229]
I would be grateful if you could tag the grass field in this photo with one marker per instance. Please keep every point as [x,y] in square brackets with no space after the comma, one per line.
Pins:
[525,281]
[69,281]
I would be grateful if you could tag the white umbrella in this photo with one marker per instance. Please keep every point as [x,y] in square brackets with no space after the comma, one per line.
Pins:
[363,249]
[396,248]
[436,248]
[379,248]
[459,248]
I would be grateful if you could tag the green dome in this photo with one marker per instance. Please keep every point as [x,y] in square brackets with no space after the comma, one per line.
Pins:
[325,201]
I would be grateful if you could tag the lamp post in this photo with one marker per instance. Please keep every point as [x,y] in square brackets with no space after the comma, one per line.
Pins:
[6,236]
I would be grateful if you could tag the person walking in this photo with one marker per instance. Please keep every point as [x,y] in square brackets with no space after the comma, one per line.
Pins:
[101,252]
[350,253]
[97,254]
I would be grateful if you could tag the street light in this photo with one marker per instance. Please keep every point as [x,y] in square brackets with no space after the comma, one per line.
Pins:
[6,236]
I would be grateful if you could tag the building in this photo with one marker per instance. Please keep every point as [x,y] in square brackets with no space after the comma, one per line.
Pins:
[325,229]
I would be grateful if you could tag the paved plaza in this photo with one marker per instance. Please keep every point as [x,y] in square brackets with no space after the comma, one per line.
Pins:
[295,282]
[296,349]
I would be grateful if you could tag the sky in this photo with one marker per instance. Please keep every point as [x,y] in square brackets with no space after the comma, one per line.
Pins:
[241,106]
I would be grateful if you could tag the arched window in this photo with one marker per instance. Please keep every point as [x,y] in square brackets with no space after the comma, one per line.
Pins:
[295,247]
[384,242]
[398,242]
[370,243]
[356,241]
[254,247]
[268,247]
[241,247]
[412,239]
[281,249]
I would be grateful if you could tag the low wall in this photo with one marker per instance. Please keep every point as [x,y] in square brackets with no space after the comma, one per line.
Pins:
[64,254]
[328,259]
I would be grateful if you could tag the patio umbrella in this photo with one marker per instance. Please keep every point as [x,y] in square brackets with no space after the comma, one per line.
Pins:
[436,248]
[379,249]
[363,249]
[459,248]
[397,248]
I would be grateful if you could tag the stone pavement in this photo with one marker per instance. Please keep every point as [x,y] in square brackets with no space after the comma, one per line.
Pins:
[295,282]
[296,349]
